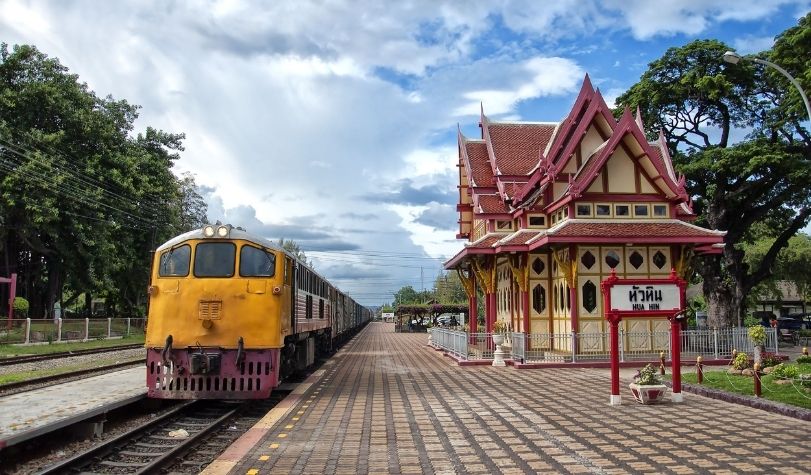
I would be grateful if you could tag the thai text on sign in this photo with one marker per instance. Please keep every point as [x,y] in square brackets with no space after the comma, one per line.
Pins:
[643,297]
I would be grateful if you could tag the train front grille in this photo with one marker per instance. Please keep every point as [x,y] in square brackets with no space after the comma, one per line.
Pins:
[176,379]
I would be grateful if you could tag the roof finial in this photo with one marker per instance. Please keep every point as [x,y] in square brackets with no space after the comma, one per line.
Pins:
[639,119]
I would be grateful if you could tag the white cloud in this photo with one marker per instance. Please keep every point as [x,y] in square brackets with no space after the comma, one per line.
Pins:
[752,44]
[295,110]
[533,78]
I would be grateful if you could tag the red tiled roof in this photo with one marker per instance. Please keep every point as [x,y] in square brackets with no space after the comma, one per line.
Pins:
[485,242]
[516,147]
[492,204]
[520,238]
[634,230]
[482,172]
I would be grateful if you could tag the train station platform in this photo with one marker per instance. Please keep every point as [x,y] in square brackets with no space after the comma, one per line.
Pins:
[29,414]
[388,403]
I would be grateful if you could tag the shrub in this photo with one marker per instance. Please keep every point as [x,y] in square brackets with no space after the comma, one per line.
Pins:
[786,371]
[769,359]
[647,376]
[803,359]
[21,307]
[741,361]
[757,334]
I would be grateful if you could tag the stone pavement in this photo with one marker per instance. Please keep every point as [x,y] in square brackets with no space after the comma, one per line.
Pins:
[387,403]
[28,414]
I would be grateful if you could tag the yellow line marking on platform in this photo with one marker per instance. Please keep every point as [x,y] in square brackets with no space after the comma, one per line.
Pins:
[264,457]
[274,445]
[288,426]
[282,436]
[295,418]
[252,471]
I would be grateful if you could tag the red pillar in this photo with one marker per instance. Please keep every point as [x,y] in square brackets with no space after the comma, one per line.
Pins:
[490,312]
[473,310]
[675,350]
[614,341]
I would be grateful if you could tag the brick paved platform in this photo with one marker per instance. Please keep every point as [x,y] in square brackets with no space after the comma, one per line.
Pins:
[387,403]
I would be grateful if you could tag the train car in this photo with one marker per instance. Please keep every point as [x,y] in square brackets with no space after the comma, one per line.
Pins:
[232,314]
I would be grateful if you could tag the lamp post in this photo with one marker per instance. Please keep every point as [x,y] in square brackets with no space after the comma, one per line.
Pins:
[733,58]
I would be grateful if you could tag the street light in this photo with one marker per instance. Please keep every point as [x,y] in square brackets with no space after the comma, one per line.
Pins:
[733,58]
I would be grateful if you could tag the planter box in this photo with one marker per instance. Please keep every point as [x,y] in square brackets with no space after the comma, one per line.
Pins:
[649,393]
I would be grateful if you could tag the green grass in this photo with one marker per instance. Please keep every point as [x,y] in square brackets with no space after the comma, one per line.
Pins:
[40,373]
[13,350]
[745,385]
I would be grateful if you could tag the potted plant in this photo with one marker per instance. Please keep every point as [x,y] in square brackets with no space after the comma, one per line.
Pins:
[647,387]
[757,333]
[499,330]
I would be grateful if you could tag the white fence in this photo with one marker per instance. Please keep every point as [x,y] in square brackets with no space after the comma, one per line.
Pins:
[574,347]
[28,331]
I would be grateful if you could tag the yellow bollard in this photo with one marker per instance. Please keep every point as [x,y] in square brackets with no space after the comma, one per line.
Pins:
[699,370]
[662,362]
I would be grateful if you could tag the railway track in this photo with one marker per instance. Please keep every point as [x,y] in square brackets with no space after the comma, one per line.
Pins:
[12,360]
[184,440]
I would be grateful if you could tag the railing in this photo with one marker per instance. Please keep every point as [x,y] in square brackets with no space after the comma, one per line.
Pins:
[29,331]
[573,347]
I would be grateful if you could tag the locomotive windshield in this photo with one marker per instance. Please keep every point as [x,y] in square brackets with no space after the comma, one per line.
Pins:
[255,262]
[214,259]
[175,262]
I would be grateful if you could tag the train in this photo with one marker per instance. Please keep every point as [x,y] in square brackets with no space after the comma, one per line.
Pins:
[231,315]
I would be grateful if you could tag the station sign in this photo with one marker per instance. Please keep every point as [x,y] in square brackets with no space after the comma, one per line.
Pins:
[645,297]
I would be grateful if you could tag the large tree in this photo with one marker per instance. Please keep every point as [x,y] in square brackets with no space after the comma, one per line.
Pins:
[83,197]
[701,104]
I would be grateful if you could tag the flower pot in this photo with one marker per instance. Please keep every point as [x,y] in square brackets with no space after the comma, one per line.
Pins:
[648,393]
[498,339]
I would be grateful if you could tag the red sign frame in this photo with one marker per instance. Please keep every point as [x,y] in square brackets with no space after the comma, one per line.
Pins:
[614,316]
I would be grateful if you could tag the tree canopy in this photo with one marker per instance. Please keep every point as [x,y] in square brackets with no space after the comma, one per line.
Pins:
[738,135]
[83,196]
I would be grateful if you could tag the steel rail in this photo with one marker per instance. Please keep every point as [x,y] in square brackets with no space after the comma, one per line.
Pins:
[115,443]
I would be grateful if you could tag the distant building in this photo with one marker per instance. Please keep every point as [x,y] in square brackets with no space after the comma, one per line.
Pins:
[549,209]
[787,301]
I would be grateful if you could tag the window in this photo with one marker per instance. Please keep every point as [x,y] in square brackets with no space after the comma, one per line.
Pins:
[320,308]
[175,262]
[255,262]
[602,211]
[622,210]
[504,225]
[641,210]
[537,221]
[214,259]
[584,210]
[660,211]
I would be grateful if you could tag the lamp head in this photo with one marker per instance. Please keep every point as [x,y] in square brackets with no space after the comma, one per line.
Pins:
[732,57]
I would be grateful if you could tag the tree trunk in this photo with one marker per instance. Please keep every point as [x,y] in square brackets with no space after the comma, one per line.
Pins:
[54,285]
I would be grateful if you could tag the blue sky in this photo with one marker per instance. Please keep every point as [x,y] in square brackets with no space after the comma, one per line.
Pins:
[333,123]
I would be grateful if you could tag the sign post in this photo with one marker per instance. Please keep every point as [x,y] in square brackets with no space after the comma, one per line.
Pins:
[644,298]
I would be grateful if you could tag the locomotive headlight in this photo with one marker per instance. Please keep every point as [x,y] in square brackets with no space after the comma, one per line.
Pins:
[222,231]
[208,230]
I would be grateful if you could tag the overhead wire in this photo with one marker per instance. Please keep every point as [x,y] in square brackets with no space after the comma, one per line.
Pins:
[71,186]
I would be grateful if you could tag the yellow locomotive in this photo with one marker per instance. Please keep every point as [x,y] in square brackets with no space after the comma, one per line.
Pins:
[231,314]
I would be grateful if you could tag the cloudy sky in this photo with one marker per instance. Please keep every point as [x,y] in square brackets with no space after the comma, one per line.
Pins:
[332,123]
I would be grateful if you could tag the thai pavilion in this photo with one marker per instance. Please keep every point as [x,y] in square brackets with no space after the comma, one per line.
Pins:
[549,209]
